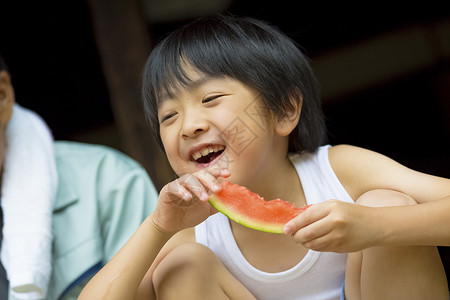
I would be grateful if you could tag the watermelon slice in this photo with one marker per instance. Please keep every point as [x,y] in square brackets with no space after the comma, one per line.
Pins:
[249,209]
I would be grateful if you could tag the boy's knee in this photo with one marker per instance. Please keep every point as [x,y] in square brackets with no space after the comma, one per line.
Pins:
[189,255]
[381,197]
[184,271]
[184,261]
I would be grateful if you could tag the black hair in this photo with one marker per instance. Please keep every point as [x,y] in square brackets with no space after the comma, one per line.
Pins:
[249,50]
[3,66]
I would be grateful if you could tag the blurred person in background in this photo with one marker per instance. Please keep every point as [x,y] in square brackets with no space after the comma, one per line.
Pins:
[67,207]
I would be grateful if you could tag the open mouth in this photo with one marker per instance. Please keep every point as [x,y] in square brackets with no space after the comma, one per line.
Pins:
[207,154]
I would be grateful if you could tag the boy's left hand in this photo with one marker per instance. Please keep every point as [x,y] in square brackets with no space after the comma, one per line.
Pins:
[335,226]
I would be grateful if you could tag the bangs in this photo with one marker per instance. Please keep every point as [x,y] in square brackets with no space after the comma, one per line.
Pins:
[170,74]
[189,52]
[209,49]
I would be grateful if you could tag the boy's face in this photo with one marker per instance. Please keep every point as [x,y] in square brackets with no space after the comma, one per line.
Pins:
[219,122]
[7,100]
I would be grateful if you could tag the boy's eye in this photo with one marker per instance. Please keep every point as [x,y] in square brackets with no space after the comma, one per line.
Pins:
[212,98]
[166,117]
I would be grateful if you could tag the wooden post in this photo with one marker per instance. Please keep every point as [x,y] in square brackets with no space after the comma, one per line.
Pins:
[124,43]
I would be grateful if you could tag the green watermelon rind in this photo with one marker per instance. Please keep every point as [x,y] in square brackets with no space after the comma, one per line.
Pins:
[271,228]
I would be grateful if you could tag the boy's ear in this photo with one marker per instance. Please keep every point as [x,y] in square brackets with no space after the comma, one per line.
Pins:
[285,126]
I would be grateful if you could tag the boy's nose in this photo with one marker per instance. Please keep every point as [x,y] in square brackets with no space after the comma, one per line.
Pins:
[194,125]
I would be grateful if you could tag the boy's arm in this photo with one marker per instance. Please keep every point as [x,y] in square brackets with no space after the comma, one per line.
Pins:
[343,227]
[425,224]
[182,204]
[361,170]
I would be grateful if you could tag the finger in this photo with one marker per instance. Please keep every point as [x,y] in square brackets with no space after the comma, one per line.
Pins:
[177,190]
[218,171]
[209,181]
[194,186]
[309,216]
[330,241]
[223,163]
[312,232]
[322,243]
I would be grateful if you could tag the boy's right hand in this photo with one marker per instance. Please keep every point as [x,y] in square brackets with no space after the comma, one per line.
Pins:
[183,203]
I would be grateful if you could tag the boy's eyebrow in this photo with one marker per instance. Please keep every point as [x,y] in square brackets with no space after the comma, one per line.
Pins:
[190,86]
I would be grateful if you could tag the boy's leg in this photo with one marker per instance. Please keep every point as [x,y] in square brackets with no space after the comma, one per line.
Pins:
[413,272]
[193,271]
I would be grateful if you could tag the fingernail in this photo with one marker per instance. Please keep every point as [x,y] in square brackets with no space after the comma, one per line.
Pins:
[287,229]
[216,187]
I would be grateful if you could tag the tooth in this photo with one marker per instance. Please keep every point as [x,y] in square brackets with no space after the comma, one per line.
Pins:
[196,155]
[205,151]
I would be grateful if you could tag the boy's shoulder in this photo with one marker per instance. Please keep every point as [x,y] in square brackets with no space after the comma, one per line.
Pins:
[344,151]
[348,156]
[358,169]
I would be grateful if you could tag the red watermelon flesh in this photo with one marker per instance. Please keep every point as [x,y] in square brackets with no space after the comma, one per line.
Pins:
[249,209]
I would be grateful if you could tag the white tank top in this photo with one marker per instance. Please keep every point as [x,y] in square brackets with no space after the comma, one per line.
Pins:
[319,275]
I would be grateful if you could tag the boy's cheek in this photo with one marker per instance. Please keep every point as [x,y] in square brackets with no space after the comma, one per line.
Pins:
[238,136]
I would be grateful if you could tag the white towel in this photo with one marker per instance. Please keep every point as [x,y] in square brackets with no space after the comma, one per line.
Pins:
[28,191]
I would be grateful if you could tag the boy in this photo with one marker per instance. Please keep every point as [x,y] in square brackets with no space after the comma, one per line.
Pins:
[234,98]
